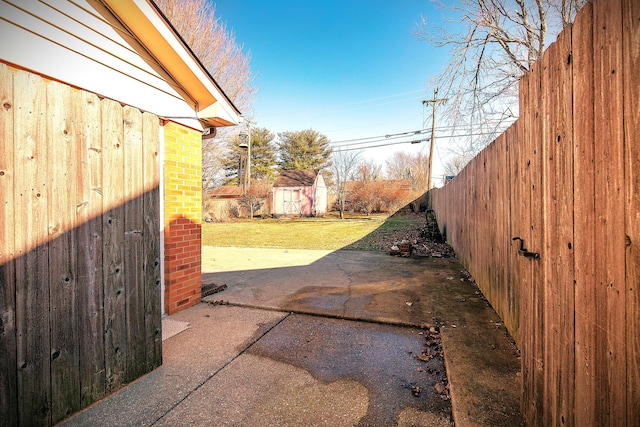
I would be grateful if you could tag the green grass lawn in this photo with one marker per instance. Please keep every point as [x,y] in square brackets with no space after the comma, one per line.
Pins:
[357,233]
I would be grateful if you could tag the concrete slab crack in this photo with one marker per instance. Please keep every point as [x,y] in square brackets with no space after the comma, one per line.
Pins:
[244,350]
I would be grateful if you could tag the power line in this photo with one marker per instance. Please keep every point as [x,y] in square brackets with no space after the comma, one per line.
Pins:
[416,141]
[366,144]
[379,138]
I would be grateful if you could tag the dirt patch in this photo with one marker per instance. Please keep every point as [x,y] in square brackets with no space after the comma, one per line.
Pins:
[418,236]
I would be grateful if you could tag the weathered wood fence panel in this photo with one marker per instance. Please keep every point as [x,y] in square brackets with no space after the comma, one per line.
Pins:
[8,373]
[571,165]
[631,93]
[79,248]
[584,242]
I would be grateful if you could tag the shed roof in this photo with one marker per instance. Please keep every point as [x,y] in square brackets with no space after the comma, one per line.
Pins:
[302,178]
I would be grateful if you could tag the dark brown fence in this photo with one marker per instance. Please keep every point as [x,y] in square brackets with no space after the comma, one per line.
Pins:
[565,178]
[79,248]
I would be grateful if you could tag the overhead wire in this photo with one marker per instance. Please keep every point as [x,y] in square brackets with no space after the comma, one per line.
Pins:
[381,142]
[340,149]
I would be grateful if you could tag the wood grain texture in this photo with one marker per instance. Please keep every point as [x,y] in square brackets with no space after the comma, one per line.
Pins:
[32,273]
[152,264]
[133,242]
[61,165]
[534,153]
[90,294]
[8,374]
[574,199]
[609,227]
[631,78]
[79,248]
[113,227]
[586,294]
[559,190]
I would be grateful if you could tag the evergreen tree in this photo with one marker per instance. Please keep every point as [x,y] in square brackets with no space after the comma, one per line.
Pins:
[263,157]
[301,150]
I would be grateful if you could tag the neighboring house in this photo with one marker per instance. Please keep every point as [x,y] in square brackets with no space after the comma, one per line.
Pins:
[300,193]
[102,111]
[218,201]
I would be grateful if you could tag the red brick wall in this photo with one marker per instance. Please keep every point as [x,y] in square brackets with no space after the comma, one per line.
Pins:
[182,216]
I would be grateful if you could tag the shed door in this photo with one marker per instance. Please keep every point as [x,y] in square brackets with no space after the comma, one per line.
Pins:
[292,202]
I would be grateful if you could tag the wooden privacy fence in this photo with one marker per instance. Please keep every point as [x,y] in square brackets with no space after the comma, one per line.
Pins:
[79,248]
[565,178]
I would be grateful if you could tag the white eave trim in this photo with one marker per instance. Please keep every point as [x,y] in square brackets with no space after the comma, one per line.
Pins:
[212,105]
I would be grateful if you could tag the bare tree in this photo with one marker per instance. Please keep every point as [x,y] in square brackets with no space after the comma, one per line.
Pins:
[343,167]
[214,153]
[399,165]
[454,165]
[215,46]
[368,170]
[217,49]
[255,196]
[499,41]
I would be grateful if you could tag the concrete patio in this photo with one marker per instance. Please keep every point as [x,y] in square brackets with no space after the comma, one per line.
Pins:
[326,338]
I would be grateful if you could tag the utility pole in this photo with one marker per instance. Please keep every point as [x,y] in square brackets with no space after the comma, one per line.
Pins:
[434,103]
[245,144]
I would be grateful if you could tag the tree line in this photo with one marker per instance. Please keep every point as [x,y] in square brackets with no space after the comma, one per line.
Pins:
[491,44]
[356,183]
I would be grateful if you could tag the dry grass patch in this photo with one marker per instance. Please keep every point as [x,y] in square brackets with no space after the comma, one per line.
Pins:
[356,233]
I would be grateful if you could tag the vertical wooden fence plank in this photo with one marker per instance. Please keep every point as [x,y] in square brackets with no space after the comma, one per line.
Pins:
[529,86]
[61,127]
[518,207]
[133,241]
[89,249]
[610,264]
[512,294]
[8,385]
[113,244]
[511,300]
[586,294]
[490,177]
[560,230]
[631,50]
[549,261]
[151,202]
[32,272]
[534,238]
[538,223]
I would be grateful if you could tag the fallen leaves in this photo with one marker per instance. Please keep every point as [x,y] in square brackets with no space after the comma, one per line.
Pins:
[431,350]
[424,241]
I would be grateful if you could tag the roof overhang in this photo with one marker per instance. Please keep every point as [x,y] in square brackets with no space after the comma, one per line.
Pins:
[147,23]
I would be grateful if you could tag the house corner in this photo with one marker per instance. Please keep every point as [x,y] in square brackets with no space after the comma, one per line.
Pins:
[182,217]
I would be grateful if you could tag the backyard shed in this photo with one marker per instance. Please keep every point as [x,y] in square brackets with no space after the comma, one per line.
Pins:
[300,192]
[102,112]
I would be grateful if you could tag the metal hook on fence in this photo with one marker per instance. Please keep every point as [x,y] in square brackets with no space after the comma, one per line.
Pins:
[525,253]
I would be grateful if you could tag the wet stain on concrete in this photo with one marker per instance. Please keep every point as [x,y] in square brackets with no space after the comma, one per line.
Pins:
[380,357]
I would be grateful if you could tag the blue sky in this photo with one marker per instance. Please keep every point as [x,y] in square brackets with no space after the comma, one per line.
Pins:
[346,68]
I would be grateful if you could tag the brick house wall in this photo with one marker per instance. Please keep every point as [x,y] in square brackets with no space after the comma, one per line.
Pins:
[182,216]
